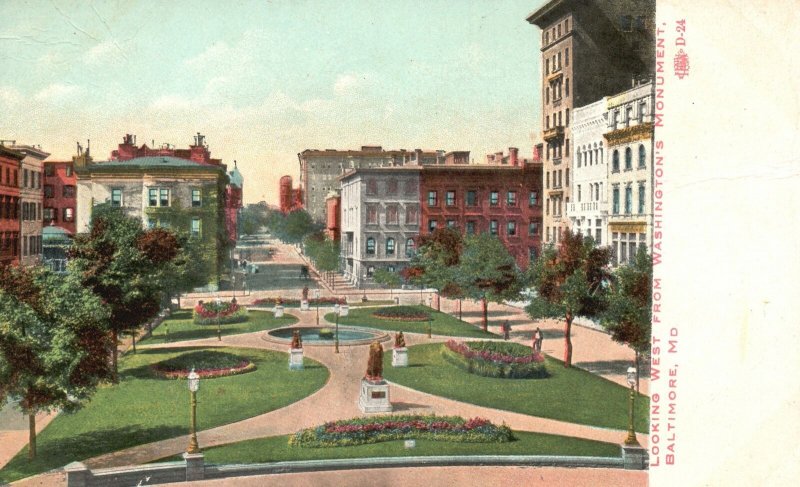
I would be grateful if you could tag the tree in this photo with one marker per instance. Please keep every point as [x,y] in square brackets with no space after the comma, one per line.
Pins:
[569,281]
[487,272]
[438,256]
[253,219]
[53,342]
[323,251]
[125,266]
[385,277]
[628,316]
[298,225]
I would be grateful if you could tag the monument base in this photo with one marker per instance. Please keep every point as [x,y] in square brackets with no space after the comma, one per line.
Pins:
[400,357]
[295,358]
[278,311]
[374,397]
[303,305]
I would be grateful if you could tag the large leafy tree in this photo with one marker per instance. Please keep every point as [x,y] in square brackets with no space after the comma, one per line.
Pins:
[438,257]
[487,272]
[569,281]
[323,251]
[628,316]
[390,279]
[53,342]
[297,225]
[125,266]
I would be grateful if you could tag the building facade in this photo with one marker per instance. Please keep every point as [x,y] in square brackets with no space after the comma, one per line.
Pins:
[319,170]
[630,178]
[59,195]
[233,203]
[502,198]
[588,211]
[10,165]
[588,50]
[380,218]
[31,199]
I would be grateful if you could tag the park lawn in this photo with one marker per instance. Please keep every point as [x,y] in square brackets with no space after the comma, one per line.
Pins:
[572,394]
[442,323]
[277,449]
[181,326]
[143,408]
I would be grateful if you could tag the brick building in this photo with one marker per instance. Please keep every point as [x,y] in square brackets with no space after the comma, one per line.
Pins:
[59,201]
[502,197]
[10,163]
[290,198]
[588,50]
[31,196]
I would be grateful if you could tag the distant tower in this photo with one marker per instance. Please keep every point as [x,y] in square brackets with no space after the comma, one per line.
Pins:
[285,192]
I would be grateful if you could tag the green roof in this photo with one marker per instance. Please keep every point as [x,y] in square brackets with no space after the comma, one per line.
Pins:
[152,162]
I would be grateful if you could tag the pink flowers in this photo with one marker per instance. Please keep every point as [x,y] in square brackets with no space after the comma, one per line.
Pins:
[208,310]
[417,425]
[487,356]
[243,366]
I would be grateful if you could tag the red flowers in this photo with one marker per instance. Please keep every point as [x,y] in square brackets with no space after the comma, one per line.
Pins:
[209,310]
[416,425]
[167,373]
[487,356]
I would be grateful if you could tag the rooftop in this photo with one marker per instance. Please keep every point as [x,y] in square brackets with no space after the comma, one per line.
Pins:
[152,162]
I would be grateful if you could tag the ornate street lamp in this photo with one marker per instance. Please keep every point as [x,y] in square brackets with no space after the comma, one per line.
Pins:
[631,439]
[316,296]
[194,384]
[336,309]
[218,302]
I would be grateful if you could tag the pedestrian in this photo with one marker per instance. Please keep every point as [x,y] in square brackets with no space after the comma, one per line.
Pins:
[506,330]
[537,340]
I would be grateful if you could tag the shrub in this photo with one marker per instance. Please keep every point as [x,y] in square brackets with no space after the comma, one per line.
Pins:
[359,431]
[402,313]
[207,364]
[501,360]
[326,333]
[211,313]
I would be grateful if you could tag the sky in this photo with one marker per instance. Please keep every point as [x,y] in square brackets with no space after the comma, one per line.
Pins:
[264,80]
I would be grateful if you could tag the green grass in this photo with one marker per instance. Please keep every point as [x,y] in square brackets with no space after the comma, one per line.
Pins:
[442,324]
[277,449]
[572,394]
[181,326]
[143,408]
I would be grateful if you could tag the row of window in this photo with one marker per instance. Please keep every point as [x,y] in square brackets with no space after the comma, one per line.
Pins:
[625,245]
[156,197]
[471,198]
[594,191]
[555,32]
[557,87]
[390,246]
[31,245]
[10,179]
[391,186]
[196,227]
[555,119]
[31,179]
[50,170]
[392,215]
[628,199]
[31,211]
[556,148]
[9,208]
[629,159]
[598,235]
[557,179]
[67,191]
[9,243]
[471,227]
[587,156]
[51,214]
[556,203]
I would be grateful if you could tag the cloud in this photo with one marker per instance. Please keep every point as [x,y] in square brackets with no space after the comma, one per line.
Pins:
[349,83]
[171,102]
[57,92]
[102,53]
[9,95]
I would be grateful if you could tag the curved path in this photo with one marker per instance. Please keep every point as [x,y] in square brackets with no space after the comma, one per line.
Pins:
[337,399]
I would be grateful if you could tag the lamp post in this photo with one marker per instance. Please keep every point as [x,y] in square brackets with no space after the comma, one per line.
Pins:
[336,309]
[219,330]
[316,296]
[430,316]
[631,439]
[194,384]
[363,287]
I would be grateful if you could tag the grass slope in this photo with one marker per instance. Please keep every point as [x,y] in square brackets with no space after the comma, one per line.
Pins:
[442,324]
[572,394]
[181,326]
[143,408]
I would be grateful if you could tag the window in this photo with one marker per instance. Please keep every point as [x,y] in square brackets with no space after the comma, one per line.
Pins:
[493,227]
[642,157]
[471,198]
[615,201]
[615,161]
[628,199]
[566,86]
[412,215]
[547,66]
[532,253]
[391,186]
[410,247]
[391,215]
[24,178]
[641,198]
[432,225]
[49,170]
[68,191]
[511,228]
[432,198]
[566,171]
[547,184]
[533,198]
[494,198]
[511,198]
[196,229]
[410,187]
[558,29]
[628,159]
[152,199]
[49,214]
[389,246]
[598,237]
[370,246]
[372,186]
[579,193]
[566,56]
[48,190]
[68,214]
[68,170]
[533,229]
[450,198]
[164,197]
[196,198]
[470,227]
[372,215]
[116,197]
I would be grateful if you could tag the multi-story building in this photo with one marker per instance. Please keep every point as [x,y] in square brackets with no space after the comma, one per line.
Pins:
[10,164]
[60,184]
[186,194]
[30,195]
[233,203]
[290,198]
[502,197]
[589,50]
[588,210]
[319,170]
[629,137]
[380,218]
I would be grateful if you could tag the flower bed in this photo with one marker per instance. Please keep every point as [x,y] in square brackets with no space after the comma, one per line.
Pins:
[295,303]
[377,429]
[207,364]
[495,359]
[211,313]
[402,313]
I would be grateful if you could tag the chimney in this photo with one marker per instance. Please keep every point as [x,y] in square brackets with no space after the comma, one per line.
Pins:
[513,156]
[418,156]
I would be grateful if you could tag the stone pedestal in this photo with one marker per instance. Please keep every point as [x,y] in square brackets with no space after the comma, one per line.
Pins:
[396,300]
[634,457]
[295,358]
[278,311]
[374,397]
[195,466]
[344,310]
[303,305]
[400,357]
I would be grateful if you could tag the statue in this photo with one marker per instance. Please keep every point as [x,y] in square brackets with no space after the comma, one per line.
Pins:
[297,340]
[399,340]
[375,363]
[305,293]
